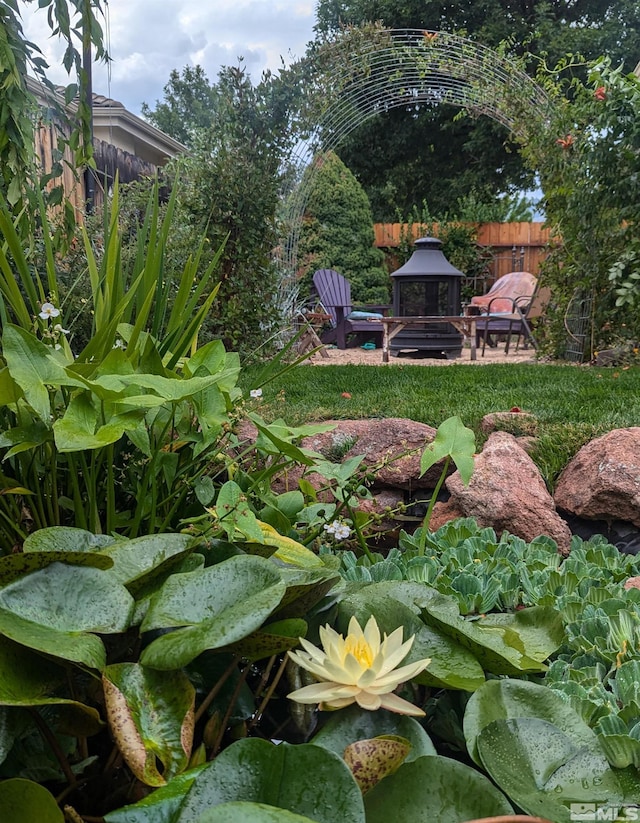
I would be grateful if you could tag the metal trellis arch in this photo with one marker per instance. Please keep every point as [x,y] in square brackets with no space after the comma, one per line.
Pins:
[371,70]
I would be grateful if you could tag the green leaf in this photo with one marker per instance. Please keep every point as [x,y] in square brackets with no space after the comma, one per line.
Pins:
[23,800]
[69,599]
[81,426]
[66,539]
[273,639]
[543,770]
[433,789]
[85,649]
[151,717]
[303,779]
[501,646]
[234,514]
[34,366]
[216,606]
[353,723]
[509,699]
[10,392]
[28,679]
[453,440]
[161,805]
[241,812]
[136,562]
[15,566]
[372,760]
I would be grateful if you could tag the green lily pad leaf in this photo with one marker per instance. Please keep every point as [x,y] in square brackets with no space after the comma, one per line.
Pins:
[273,639]
[258,771]
[25,800]
[500,645]
[372,760]
[453,439]
[305,588]
[69,598]
[66,539]
[217,606]
[542,770]
[144,589]
[15,566]
[451,665]
[537,631]
[161,805]
[28,679]
[85,649]
[241,812]
[151,717]
[434,788]
[353,723]
[507,699]
[136,561]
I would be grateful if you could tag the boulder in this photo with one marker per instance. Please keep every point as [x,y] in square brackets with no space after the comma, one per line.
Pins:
[394,447]
[506,491]
[602,482]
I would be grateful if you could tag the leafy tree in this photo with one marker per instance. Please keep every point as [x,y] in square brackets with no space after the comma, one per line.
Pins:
[337,232]
[404,156]
[188,105]
[588,155]
[231,183]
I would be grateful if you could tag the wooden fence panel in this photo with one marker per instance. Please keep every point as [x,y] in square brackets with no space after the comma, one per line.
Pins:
[514,246]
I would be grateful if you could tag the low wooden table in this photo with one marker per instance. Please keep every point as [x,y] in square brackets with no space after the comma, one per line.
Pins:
[466,325]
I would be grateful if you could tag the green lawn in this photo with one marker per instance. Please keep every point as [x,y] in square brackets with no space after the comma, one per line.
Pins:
[572,403]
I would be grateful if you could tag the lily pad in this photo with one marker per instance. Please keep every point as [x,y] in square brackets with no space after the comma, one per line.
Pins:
[216,606]
[240,812]
[25,800]
[306,780]
[434,788]
[353,723]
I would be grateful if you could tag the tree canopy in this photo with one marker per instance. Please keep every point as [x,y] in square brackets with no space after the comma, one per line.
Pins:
[407,156]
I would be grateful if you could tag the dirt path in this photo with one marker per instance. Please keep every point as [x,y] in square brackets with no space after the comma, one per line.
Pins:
[361,357]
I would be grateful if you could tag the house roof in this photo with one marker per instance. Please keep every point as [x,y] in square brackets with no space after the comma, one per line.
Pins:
[113,123]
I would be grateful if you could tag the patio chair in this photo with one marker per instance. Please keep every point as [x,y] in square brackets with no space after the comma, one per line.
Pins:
[524,312]
[333,292]
[503,305]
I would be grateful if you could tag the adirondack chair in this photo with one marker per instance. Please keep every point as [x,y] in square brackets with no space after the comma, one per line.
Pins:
[333,291]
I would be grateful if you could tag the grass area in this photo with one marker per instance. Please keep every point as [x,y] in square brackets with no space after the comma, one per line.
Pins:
[573,404]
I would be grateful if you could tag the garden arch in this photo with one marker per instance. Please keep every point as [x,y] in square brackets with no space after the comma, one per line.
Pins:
[370,70]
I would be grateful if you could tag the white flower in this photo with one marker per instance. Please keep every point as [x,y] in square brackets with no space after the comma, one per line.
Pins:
[49,310]
[58,328]
[255,393]
[358,669]
[340,531]
[119,344]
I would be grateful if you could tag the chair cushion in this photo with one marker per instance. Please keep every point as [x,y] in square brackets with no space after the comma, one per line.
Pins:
[364,315]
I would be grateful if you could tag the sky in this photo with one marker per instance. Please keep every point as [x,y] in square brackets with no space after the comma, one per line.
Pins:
[149,38]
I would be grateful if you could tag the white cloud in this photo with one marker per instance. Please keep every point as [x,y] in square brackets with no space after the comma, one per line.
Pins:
[149,38]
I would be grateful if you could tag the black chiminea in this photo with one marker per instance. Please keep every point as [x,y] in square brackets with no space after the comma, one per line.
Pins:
[427,286]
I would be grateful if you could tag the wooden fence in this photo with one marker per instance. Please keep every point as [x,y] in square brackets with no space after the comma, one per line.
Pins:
[109,159]
[513,246]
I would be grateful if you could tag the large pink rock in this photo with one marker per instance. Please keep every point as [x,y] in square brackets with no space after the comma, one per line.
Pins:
[602,482]
[506,492]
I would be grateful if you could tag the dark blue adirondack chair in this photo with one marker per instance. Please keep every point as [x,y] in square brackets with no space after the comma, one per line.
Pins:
[333,291]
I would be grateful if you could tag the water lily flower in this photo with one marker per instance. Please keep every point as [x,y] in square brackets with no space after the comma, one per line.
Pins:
[358,668]
[48,310]
[255,393]
[340,531]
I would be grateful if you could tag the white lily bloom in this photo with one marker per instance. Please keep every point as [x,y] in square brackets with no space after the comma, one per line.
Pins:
[358,669]
[48,310]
